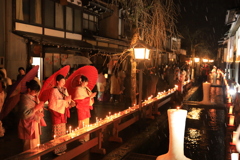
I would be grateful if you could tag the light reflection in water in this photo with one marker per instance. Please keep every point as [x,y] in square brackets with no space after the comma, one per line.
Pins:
[204,134]
[192,137]
[213,119]
[194,113]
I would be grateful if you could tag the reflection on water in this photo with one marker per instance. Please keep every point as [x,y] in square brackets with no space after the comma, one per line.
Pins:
[193,136]
[194,113]
[205,132]
[213,119]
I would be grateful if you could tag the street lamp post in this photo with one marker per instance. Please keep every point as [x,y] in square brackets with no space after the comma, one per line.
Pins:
[141,53]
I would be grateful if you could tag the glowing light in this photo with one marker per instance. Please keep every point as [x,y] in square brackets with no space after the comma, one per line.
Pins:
[234,138]
[231,120]
[205,60]
[230,110]
[232,91]
[196,59]
[234,156]
[106,75]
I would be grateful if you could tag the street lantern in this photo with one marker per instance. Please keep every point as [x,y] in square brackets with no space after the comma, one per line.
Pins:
[196,59]
[141,53]
[205,60]
[141,50]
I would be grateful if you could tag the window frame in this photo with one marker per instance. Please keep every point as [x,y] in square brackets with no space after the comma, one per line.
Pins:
[43,13]
[95,21]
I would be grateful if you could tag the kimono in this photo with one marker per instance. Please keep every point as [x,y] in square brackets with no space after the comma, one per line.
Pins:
[84,105]
[59,110]
[30,121]
[2,97]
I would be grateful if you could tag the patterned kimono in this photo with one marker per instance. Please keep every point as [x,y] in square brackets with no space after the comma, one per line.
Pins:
[84,105]
[30,121]
[58,107]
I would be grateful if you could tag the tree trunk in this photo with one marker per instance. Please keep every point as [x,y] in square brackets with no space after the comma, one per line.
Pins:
[133,80]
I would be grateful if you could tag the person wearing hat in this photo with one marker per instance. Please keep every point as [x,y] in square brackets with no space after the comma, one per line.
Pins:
[59,101]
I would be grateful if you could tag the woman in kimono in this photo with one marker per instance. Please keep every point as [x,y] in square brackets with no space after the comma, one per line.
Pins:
[59,101]
[84,99]
[30,116]
[2,99]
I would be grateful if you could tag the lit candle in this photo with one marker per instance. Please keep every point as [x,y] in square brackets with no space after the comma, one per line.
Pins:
[38,145]
[70,129]
[106,75]
[230,110]
[54,136]
[177,119]
[234,138]
[234,156]
[229,99]
[231,120]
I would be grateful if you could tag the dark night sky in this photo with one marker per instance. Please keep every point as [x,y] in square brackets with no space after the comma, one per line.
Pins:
[207,14]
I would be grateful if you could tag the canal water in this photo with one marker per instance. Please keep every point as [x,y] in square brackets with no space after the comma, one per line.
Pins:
[205,133]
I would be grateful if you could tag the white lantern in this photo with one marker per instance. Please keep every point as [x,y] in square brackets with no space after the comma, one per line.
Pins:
[141,50]
[196,59]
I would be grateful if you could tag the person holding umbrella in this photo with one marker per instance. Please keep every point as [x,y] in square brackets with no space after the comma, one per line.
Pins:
[84,99]
[30,116]
[59,101]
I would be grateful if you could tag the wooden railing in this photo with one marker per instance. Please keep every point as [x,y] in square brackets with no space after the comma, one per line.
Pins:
[149,107]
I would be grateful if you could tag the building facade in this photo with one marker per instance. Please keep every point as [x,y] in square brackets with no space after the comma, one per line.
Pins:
[50,32]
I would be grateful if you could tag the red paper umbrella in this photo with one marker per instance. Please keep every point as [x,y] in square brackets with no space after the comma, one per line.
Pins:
[73,80]
[51,82]
[13,95]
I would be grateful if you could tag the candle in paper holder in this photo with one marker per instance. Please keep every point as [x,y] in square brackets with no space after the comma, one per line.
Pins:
[177,122]
[234,138]
[230,110]
[238,140]
[234,156]
[231,120]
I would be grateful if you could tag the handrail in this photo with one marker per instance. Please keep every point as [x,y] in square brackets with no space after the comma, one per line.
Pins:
[95,143]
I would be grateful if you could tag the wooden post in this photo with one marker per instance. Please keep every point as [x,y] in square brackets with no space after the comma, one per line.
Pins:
[115,137]
[98,148]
